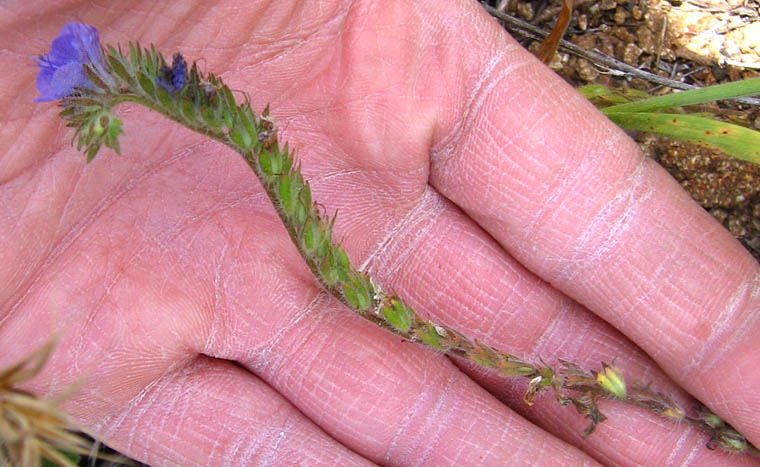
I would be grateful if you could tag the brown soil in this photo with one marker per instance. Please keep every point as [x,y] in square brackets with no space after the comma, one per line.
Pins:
[700,42]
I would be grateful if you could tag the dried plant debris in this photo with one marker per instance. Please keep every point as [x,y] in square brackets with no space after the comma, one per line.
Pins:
[35,431]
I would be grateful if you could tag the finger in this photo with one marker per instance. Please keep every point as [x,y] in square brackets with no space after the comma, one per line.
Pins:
[212,412]
[449,269]
[569,196]
[393,402]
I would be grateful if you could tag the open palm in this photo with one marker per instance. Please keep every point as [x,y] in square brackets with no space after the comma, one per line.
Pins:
[467,177]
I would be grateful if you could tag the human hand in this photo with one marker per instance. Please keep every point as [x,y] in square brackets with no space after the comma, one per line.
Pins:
[468,179]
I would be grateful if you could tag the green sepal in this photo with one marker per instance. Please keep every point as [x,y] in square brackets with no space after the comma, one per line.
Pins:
[92,76]
[286,196]
[328,274]
[300,213]
[342,258]
[265,163]
[146,85]
[189,111]
[209,118]
[227,117]
[311,237]
[275,161]
[153,61]
[287,161]
[240,138]
[356,292]
[135,55]
[481,360]
[350,294]
[430,336]
[398,316]
[111,137]
[245,117]
[118,68]
[326,239]
[305,195]
[332,269]
[362,288]
[165,100]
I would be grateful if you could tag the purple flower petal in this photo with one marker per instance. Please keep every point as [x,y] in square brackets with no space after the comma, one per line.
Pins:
[62,69]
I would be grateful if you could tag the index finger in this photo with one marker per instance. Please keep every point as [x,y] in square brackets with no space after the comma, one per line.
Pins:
[571,197]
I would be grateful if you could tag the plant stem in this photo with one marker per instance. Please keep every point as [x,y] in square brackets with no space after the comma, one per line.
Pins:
[204,104]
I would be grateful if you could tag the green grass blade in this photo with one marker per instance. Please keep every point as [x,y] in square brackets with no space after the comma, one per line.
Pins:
[602,96]
[741,88]
[734,140]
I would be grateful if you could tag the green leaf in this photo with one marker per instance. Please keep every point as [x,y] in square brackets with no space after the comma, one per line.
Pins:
[602,96]
[734,140]
[694,96]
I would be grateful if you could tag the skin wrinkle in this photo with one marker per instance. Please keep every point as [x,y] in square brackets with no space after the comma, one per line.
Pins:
[435,422]
[318,343]
[261,445]
[270,366]
[272,456]
[569,176]
[607,225]
[111,424]
[432,422]
[403,424]
[510,316]
[678,447]
[444,150]
[554,330]
[218,307]
[716,346]
[422,211]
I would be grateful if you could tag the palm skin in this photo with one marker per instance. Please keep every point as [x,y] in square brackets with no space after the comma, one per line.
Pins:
[467,177]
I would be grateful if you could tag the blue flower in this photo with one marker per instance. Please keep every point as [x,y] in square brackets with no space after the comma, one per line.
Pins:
[173,79]
[62,69]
